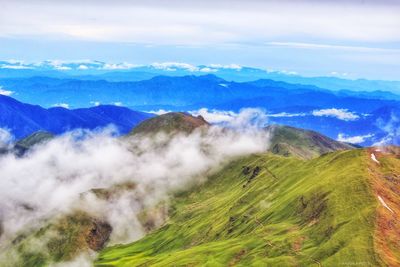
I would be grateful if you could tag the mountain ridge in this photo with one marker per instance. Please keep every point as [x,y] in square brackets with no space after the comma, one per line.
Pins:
[24,119]
[321,212]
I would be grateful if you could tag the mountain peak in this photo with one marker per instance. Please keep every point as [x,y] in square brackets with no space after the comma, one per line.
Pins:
[169,123]
[291,141]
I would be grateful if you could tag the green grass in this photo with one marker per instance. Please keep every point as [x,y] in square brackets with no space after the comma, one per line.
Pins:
[290,141]
[293,213]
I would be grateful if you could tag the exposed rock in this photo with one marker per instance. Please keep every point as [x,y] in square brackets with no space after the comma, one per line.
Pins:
[256,171]
[246,170]
[98,235]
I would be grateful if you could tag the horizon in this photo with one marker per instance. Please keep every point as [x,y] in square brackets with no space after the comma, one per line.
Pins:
[167,66]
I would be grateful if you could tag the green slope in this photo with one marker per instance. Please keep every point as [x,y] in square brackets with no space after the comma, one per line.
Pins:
[289,213]
[291,141]
[23,145]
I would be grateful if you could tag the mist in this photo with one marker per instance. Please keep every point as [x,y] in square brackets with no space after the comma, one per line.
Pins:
[56,178]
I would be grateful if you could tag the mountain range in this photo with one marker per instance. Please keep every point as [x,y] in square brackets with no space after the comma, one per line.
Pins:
[362,117]
[24,119]
[98,70]
[309,200]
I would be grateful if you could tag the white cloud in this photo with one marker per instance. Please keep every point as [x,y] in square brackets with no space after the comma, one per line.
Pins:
[5,138]
[341,114]
[247,117]
[15,67]
[118,66]
[191,22]
[215,116]
[61,105]
[173,66]
[286,115]
[83,67]
[390,129]
[354,139]
[159,112]
[62,68]
[229,66]
[5,92]
[118,104]
[207,69]
[53,176]
[95,103]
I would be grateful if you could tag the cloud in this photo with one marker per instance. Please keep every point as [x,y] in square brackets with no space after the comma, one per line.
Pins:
[354,139]
[390,129]
[207,70]
[61,105]
[173,66]
[5,92]
[332,47]
[228,66]
[118,66]
[52,177]
[14,67]
[159,112]
[95,103]
[286,115]
[253,117]
[225,117]
[5,138]
[341,114]
[215,116]
[83,67]
[189,22]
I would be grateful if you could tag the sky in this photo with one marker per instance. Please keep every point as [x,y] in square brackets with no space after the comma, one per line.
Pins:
[353,38]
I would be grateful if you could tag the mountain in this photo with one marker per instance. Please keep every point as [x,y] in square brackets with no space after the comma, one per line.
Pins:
[187,92]
[290,141]
[24,119]
[309,200]
[170,123]
[285,140]
[98,70]
[288,104]
[268,210]
[23,145]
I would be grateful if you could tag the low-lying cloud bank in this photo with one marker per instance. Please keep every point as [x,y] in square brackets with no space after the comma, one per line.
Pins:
[226,116]
[5,138]
[358,139]
[341,114]
[391,130]
[55,178]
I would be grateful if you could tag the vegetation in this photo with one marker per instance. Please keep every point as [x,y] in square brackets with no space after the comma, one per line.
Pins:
[268,210]
[61,240]
[290,141]
[170,123]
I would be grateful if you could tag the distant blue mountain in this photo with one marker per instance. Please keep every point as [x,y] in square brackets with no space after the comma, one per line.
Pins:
[97,70]
[24,119]
[188,92]
[376,111]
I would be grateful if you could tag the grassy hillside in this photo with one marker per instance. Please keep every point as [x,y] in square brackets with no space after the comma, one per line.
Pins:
[291,141]
[268,210]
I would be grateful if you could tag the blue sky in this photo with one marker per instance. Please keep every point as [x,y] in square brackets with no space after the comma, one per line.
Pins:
[354,38]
